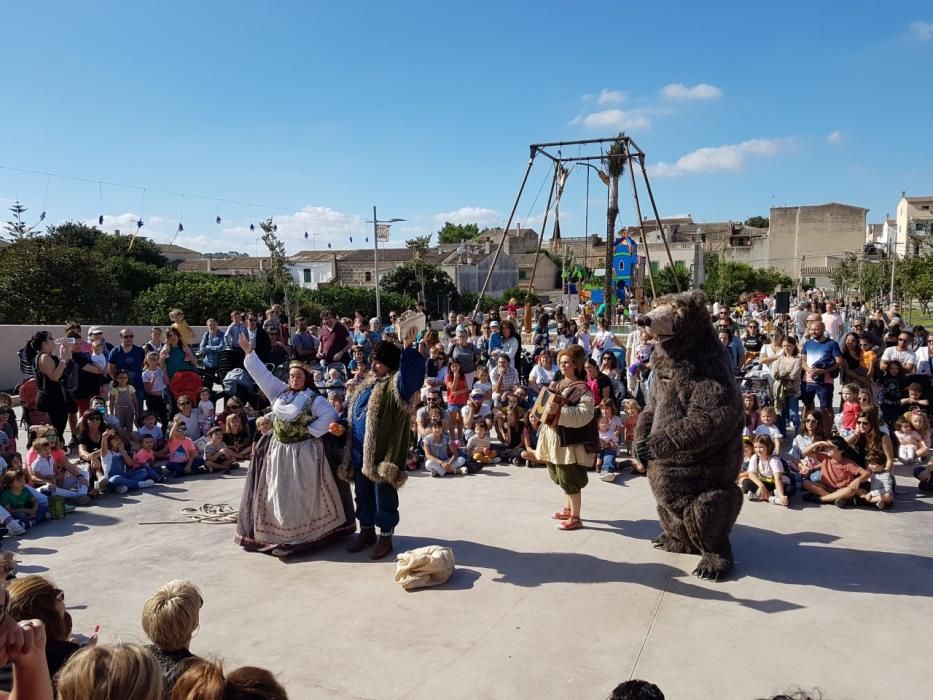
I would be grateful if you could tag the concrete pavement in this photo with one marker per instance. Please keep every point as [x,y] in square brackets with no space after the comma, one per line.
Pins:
[839,599]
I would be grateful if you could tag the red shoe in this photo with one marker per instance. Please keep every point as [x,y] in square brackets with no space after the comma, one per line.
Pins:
[562,514]
[571,523]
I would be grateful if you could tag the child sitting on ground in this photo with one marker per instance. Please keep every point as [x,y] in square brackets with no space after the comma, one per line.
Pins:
[217,456]
[18,500]
[610,427]
[479,446]
[752,414]
[145,458]
[206,410]
[7,425]
[768,426]
[183,456]
[766,474]
[57,476]
[236,437]
[629,422]
[119,472]
[881,485]
[911,446]
[151,430]
[439,457]
[914,398]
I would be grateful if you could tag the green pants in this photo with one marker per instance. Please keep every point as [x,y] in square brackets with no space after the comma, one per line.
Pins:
[570,477]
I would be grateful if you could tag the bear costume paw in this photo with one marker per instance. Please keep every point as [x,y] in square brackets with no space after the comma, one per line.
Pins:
[672,545]
[713,567]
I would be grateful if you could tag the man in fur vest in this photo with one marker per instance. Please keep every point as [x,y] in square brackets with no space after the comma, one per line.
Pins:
[380,429]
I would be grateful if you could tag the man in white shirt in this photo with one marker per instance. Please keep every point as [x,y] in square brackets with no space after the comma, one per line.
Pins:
[476,411]
[833,322]
[900,352]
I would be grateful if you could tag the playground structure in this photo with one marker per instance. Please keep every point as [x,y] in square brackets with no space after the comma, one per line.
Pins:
[623,272]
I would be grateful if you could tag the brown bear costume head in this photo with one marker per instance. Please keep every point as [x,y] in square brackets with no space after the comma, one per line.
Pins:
[680,323]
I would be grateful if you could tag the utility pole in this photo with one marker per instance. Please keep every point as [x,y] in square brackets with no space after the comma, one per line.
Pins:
[376,262]
[375,223]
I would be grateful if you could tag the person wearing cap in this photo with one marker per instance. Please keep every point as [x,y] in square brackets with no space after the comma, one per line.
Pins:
[293,499]
[376,457]
[475,413]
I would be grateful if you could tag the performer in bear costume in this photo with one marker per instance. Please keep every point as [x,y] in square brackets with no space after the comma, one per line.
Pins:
[692,429]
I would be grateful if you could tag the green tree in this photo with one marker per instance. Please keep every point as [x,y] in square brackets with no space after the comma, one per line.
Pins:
[200,296]
[106,245]
[664,279]
[726,281]
[419,245]
[19,229]
[281,283]
[457,233]
[615,165]
[343,301]
[758,222]
[46,284]
[409,277]
[521,296]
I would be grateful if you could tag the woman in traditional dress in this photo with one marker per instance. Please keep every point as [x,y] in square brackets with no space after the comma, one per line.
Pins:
[292,499]
[568,446]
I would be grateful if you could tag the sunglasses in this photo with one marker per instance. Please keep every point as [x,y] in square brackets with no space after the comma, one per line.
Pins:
[811,420]
[128,336]
[184,403]
[94,417]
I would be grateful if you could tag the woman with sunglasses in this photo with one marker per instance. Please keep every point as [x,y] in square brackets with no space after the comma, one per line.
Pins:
[815,428]
[869,435]
[35,597]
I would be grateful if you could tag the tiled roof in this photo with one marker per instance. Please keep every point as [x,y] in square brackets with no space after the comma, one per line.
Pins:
[219,264]
[170,249]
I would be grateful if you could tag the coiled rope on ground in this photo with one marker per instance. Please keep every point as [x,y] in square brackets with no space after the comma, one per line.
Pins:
[207,513]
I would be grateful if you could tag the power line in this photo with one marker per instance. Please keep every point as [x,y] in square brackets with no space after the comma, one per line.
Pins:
[146,188]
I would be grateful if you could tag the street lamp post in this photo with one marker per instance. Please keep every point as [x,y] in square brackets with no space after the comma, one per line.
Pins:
[376,223]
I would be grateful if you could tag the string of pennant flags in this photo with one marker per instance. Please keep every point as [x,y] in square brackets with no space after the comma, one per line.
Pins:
[382,230]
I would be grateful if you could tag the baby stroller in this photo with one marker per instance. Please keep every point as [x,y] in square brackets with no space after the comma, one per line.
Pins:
[753,379]
[334,379]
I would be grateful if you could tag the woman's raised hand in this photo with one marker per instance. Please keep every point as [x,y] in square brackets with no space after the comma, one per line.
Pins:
[243,341]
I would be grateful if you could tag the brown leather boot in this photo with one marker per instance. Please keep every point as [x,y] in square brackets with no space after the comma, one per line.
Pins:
[383,547]
[364,538]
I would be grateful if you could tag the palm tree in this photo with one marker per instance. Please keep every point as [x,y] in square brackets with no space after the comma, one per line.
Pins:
[615,164]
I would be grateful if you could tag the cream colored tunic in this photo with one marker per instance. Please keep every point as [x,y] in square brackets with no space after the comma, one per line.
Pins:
[549,449]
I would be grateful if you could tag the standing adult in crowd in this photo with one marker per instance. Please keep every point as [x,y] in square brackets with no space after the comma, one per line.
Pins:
[832,321]
[335,339]
[820,360]
[567,452]
[130,358]
[511,343]
[464,352]
[258,337]
[212,342]
[380,429]
[52,398]
[786,372]
[902,351]
[304,344]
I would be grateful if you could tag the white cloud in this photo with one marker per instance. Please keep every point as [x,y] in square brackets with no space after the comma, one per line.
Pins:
[921,31]
[323,224]
[701,91]
[614,119]
[610,97]
[835,137]
[470,215]
[721,158]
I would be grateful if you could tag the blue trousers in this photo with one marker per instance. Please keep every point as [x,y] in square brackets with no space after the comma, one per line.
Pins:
[178,468]
[823,392]
[376,503]
[790,414]
[132,477]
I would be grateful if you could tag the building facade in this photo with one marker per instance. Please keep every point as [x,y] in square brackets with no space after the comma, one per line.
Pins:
[914,224]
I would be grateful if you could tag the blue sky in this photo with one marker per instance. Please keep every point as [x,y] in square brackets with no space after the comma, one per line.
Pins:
[426,109]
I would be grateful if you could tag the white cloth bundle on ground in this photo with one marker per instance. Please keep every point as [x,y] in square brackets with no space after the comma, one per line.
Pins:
[425,566]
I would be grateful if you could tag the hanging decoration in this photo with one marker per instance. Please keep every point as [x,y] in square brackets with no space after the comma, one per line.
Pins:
[100,205]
